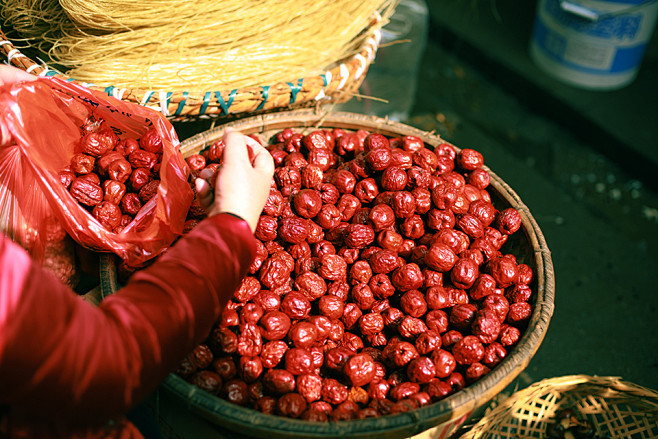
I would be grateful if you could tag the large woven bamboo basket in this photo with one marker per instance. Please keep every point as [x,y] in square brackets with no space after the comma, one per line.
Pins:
[616,409]
[336,85]
[436,420]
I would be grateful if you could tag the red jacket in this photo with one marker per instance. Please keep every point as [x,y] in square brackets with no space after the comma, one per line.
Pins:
[71,370]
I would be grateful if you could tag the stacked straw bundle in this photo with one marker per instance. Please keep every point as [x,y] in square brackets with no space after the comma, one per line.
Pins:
[177,45]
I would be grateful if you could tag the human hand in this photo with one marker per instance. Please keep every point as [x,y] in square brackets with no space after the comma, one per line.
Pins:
[11,75]
[242,184]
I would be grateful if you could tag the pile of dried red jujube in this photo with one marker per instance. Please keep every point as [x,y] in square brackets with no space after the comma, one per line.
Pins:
[113,178]
[379,284]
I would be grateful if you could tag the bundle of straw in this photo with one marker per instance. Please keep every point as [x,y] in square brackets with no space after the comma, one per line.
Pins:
[179,45]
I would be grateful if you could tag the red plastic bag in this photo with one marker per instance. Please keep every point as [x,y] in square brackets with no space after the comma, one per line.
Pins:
[46,118]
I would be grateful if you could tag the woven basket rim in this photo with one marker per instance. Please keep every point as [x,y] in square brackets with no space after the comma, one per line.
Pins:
[336,85]
[461,403]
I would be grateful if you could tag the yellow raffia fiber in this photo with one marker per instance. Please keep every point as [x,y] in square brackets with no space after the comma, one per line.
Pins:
[179,45]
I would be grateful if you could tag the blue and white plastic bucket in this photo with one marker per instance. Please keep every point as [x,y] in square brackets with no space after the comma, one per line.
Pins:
[592,44]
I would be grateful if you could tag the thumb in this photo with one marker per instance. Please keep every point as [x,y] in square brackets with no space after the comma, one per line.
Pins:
[235,149]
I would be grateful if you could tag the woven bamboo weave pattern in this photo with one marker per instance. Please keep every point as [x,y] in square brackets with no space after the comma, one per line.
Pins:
[617,408]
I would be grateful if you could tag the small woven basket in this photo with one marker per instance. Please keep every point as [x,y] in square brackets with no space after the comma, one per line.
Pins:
[616,408]
[337,85]
[440,419]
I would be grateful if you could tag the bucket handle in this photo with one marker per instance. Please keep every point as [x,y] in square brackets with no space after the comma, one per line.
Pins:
[573,7]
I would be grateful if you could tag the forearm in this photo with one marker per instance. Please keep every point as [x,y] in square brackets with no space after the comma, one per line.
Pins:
[84,360]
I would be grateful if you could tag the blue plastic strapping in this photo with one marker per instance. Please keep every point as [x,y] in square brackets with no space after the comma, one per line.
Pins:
[225,106]
[147,97]
[294,89]
[265,93]
[206,101]
[181,104]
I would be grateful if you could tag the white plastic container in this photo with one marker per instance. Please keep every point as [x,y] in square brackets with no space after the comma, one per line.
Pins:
[592,44]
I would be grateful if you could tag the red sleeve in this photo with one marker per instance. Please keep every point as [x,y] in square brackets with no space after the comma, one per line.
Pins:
[61,356]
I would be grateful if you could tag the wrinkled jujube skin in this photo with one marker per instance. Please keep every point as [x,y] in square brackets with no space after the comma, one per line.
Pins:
[108,214]
[469,159]
[428,342]
[400,354]
[84,163]
[378,159]
[310,387]
[250,341]
[421,370]
[296,305]
[498,303]
[295,160]
[359,369]
[519,313]
[322,326]
[404,390]
[348,205]
[413,303]
[147,191]
[483,286]
[235,391]
[437,320]
[412,227]
[381,217]
[450,337]
[486,325]
[407,277]
[518,293]
[225,367]
[464,273]
[366,190]
[509,335]
[403,204]
[307,203]
[508,221]
[207,380]
[274,325]
[468,350]
[311,284]
[503,270]
[462,315]
[273,352]
[494,353]
[250,368]
[437,389]
[384,261]
[371,323]
[362,296]
[394,178]
[444,363]
[299,361]
[379,286]
[475,371]
[279,381]
[333,391]
[360,272]
[99,142]
[440,257]
[344,181]
[359,236]
[411,327]
[331,306]
[303,334]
